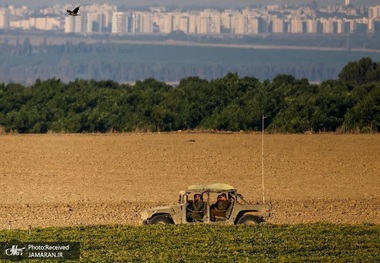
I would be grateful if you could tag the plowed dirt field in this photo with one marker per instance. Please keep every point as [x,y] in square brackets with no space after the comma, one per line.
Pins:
[61,180]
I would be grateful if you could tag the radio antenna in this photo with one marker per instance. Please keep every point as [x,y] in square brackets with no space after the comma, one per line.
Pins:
[262,157]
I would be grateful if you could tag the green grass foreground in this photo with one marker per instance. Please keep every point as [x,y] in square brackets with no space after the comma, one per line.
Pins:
[169,243]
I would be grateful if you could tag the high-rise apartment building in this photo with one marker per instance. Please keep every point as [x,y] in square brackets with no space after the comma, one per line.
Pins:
[45,23]
[227,18]
[142,22]
[183,24]
[78,24]
[374,12]
[278,25]
[74,24]
[69,24]
[311,26]
[240,24]
[339,26]
[327,25]
[254,23]
[104,13]
[350,25]
[94,23]
[194,22]
[246,22]
[167,24]
[210,22]
[271,19]
[23,24]
[119,23]
[373,15]
[4,18]
[296,26]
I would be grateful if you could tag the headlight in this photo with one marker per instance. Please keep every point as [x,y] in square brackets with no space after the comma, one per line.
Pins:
[146,214]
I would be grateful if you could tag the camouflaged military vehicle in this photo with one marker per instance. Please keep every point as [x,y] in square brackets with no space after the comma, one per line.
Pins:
[238,211]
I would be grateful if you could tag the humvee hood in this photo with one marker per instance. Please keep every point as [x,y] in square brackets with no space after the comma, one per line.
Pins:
[160,208]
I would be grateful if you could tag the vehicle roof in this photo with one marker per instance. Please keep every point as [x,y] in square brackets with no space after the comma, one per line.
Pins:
[211,187]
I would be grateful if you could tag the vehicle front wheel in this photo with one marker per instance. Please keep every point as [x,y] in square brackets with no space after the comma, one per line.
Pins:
[161,219]
[249,220]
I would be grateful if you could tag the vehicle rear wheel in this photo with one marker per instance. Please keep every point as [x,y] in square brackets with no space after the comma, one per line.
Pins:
[161,219]
[249,220]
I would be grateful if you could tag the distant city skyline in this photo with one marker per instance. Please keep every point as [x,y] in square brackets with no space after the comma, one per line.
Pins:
[104,18]
[183,3]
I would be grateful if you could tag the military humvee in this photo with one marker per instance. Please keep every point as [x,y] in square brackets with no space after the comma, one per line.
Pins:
[239,211]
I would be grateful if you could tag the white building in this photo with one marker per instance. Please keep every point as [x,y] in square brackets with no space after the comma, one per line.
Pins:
[142,22]
[18,12]
[351,23]
[312,26]
[165,22]
[74,24]
[183,23]
[239,24]
[340,26]
[69,24]
[210,22]
[327,26]
[254,25]
[119,23]
[296,26]
[4,18]
[94,22]
[373,15]
[194,23]
[45,23]
[227,18]
[278,25]
[78,24]
[23,24]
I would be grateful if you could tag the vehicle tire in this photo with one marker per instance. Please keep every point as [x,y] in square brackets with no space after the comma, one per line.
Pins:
[249,220]
[161,219]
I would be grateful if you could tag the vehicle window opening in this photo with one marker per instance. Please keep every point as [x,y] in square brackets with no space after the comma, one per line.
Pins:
[196,207]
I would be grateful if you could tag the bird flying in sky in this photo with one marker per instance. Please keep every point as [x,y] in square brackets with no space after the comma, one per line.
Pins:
[73,12]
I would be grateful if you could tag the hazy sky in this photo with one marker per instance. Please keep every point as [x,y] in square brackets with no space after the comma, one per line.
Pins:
[180,3]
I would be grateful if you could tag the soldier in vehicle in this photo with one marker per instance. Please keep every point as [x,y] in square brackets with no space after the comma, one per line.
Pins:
[196,209]
[220,207]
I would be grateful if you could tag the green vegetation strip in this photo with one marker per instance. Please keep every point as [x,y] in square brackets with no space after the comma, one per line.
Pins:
[231,103]
[169,243]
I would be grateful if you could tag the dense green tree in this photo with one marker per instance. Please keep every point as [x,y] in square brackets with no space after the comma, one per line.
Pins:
[189,103]
[365,115]
[244,111]
[361,72]
[350,104]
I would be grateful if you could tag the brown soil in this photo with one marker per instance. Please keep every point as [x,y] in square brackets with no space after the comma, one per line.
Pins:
[61,180]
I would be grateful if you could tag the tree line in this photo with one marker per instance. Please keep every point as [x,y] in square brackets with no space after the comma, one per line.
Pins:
[350,103]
